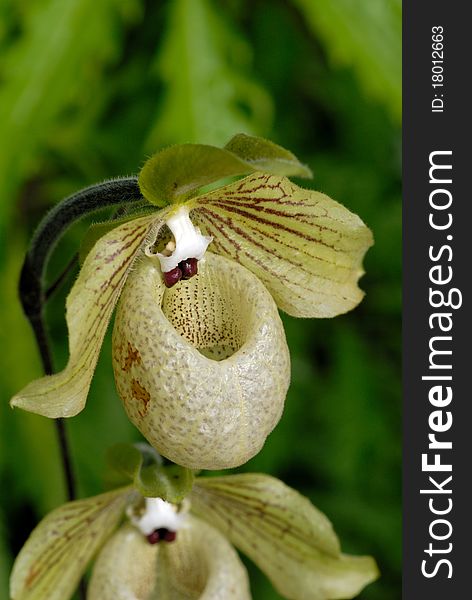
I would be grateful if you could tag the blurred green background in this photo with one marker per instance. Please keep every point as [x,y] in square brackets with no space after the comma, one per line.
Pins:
[88,90]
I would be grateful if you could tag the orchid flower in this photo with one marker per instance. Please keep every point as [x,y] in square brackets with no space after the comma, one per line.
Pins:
[200,360]
[150,547]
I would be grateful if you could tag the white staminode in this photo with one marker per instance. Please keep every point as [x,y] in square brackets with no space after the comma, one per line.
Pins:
[158,514]
[189,242]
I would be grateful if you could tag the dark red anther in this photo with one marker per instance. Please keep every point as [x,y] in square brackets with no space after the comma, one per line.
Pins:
[161,534]
[189,267]
[153,537]
[170,536]
[172,277]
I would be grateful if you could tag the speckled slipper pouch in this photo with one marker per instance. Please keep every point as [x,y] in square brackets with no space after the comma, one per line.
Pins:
[203,367]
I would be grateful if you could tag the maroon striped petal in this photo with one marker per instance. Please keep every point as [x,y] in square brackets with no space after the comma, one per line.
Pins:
[304,246]
[89,307]
[56,554]
[287,537]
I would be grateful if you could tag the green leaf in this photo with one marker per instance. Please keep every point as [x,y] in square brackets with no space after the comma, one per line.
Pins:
[47,75]
[142,465]
[176,172]
[210,91]
[5,558]
[27,441]
[366,36]
[284,534]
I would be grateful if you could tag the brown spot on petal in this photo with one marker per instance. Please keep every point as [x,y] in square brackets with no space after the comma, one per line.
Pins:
[133,356]
[141,394]
[33,573]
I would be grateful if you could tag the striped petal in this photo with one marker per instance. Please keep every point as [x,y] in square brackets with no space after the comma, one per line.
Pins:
[203,367]
[89,307]
[284,534]
[306,248]
[199,565]
[56,554]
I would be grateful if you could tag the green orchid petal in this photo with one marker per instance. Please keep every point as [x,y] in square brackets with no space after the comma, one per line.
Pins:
[284,534]
[89,308]
[199,565]
[203,367]
[306,248]
[174,173]
[56,554]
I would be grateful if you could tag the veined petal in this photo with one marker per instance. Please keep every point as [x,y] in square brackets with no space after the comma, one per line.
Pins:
[284,534]
[305,247]
[251,491]
[89,308]
[203,367]
[56,554]
[199,565]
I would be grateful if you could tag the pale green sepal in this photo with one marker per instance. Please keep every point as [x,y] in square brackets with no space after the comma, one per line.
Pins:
[56,554]
[305,247]
[89,307]
[284,534]
[174,174]
[128,459]
[142,466]
[199,565]
[266,156]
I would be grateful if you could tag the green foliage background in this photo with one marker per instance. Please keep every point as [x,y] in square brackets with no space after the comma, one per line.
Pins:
[88,90]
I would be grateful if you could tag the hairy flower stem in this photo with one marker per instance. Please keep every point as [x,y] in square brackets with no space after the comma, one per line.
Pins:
[114,192]
[42,340]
